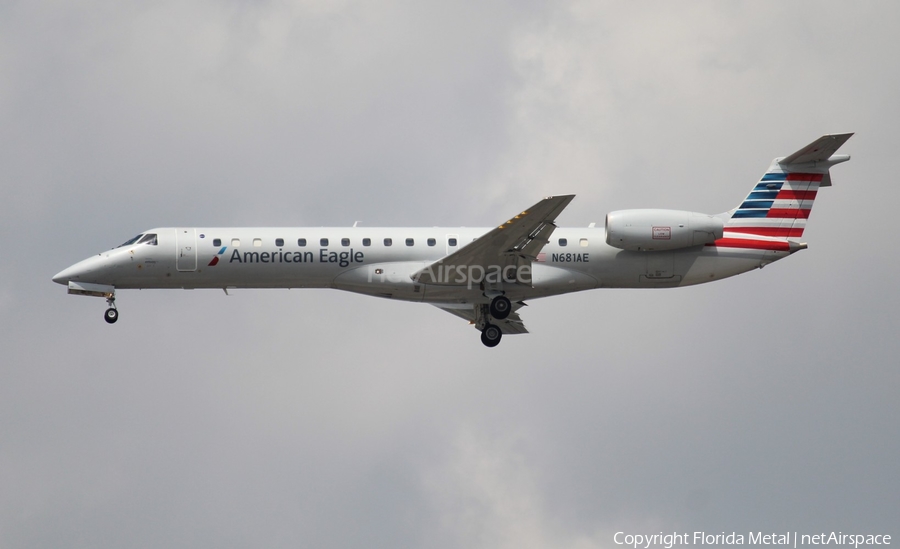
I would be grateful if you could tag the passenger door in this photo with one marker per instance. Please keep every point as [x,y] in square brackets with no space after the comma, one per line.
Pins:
[186,249]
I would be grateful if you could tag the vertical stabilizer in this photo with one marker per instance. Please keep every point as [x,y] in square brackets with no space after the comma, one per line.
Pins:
[780,203]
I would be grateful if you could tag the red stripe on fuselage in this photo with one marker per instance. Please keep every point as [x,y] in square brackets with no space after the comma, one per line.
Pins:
[767,231]
[751,244]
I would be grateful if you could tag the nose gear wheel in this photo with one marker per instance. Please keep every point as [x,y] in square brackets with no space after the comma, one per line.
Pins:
[112,314]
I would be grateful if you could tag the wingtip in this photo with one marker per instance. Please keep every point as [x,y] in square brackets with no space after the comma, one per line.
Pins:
[565,197]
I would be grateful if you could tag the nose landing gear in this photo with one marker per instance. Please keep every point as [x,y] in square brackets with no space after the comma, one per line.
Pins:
[112,314]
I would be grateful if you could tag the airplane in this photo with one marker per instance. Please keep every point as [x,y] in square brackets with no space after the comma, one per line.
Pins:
[482,275]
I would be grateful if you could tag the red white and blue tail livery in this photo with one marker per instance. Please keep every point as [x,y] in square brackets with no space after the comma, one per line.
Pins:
[481,275]
[780,204]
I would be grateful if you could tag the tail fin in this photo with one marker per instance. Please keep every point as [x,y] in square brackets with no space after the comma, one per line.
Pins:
[780,203]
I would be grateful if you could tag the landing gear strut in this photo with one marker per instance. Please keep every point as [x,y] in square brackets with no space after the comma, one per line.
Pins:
[112,314]
[491,335]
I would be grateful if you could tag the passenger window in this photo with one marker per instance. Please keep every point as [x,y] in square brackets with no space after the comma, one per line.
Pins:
[367,241]
[235,242]
[452,242]
[583,242]
[432,242]
[410,241]
[279,242]
[563,241]
[301,242]
[388,241]
[345,242]
[217,242]
[323,242]
[257,242]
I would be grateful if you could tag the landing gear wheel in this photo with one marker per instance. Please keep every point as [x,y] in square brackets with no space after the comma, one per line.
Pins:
[491,335]
[500,307]
[111,315]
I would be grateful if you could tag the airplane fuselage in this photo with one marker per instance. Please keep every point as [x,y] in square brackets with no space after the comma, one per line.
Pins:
[380,262]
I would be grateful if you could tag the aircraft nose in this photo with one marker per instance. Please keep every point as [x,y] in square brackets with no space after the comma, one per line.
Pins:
[64,276]
[75,272]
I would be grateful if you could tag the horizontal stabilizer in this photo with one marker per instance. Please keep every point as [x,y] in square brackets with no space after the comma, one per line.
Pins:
[817,151]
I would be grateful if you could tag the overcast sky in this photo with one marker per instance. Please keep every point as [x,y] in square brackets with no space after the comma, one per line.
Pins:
[765,402]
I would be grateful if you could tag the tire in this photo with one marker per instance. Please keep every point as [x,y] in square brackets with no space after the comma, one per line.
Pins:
[491,336]
[500,307]
[111,315]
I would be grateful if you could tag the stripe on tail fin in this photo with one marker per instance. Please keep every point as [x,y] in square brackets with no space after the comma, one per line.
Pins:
[780,204]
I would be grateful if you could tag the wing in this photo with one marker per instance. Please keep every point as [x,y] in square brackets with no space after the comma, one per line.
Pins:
[510,325]
[515,242]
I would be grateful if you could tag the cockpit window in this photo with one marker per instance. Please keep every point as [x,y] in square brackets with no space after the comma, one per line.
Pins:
[149,238]
[131,241]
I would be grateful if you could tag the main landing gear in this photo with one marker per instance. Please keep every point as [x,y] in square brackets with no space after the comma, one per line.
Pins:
[499,309]
[112,314]
[491,335]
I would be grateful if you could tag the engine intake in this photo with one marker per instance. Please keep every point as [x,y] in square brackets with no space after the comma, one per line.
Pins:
[654,230]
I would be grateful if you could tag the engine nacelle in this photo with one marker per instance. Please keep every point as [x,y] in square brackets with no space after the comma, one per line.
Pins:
[653,230]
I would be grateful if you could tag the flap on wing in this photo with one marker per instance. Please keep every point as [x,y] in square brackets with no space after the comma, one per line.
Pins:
[515,242]
[510,325]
